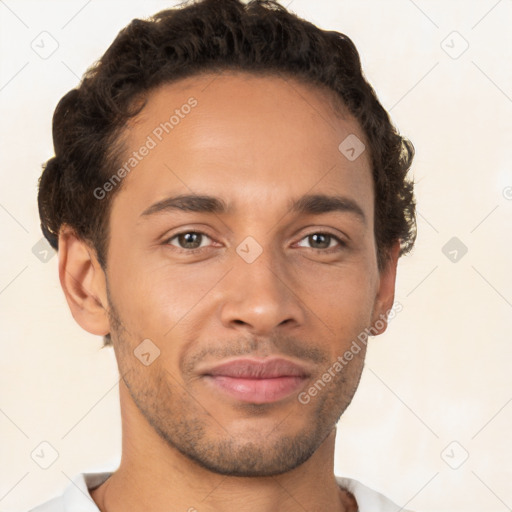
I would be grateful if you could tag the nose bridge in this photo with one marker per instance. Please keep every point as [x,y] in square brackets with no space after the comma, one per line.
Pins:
[259,293]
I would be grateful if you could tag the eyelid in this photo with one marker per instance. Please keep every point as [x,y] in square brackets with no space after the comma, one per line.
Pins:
[201,229]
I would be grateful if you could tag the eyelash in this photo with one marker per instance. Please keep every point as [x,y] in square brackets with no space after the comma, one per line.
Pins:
[341,243]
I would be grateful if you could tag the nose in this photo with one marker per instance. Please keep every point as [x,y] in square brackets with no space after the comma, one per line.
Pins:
[261,296]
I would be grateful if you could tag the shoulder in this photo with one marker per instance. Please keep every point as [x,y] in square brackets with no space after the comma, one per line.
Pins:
[76,496]
[54,505]
[367,499]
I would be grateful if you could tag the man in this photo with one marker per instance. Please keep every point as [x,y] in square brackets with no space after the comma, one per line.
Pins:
[229,201]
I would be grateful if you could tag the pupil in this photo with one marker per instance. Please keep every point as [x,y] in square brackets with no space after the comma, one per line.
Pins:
[323,240]
[191,238]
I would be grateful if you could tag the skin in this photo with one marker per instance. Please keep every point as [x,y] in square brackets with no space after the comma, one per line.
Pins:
[257,142]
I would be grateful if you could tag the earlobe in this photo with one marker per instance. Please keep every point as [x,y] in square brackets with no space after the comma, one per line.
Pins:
[83,282]
[386,292]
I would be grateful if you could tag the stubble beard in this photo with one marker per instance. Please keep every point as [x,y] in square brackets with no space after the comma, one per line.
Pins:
[186,425]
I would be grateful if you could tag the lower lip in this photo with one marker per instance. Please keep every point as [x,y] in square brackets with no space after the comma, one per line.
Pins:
[257,391]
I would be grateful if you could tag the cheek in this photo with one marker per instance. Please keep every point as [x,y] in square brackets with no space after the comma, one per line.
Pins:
[343,298]
[155,298]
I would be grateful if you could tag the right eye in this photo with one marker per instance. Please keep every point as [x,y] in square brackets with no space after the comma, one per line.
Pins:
[188,241]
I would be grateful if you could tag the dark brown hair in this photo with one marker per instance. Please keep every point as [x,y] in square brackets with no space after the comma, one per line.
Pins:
[210,35]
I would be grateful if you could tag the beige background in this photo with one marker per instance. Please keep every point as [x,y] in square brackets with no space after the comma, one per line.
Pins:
[442,371]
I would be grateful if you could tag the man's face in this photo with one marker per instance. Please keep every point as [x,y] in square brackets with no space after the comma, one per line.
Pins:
[258,282]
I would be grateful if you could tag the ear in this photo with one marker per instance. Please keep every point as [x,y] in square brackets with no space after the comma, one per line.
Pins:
[83,282]
[386,291]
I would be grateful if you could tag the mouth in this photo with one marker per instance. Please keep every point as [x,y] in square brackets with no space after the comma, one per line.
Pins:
[257,381]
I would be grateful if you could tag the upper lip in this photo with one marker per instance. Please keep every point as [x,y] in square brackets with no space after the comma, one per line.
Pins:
[257,369]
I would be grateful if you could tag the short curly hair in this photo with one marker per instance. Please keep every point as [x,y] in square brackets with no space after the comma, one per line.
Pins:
[260,36]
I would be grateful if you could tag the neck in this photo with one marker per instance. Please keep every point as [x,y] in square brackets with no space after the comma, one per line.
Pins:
[153,475]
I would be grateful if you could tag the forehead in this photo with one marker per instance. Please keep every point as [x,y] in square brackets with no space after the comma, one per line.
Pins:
[255,140]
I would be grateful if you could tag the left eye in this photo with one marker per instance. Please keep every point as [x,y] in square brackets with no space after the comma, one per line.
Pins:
[322,240]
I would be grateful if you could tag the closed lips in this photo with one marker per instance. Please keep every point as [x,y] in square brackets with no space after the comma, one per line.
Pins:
[250,369]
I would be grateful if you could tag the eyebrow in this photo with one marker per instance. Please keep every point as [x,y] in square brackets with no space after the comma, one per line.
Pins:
[310,204]
[315,204]
[188,203]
